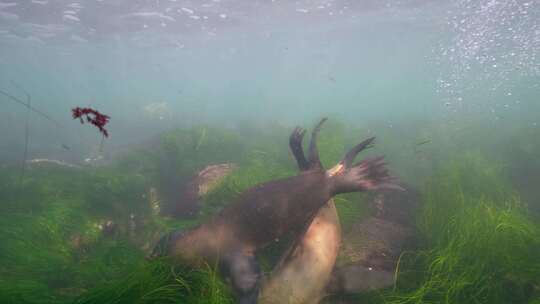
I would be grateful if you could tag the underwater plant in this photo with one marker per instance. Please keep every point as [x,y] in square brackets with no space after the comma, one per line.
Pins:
[159,282]
[54,241]
[480,246]
[92,116]
[478,243]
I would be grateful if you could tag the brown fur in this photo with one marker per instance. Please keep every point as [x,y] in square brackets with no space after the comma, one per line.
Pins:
[301,277]
[260,215]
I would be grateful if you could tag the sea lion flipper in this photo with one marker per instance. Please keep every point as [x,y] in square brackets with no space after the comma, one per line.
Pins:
[349,157]
[245,273]
[295,144]
[313,157]
[368,174]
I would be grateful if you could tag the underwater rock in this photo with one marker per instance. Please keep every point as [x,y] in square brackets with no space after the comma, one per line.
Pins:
[357,278]
[372,247]
[203,182]
[210,177]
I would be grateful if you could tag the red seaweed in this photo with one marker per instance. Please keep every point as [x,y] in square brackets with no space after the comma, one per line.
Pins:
[92,116]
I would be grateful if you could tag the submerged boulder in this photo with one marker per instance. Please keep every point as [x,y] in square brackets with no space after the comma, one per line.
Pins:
[188,202]
[372,247]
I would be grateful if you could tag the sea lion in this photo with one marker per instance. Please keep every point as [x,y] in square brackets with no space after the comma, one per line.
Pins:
[301,275]
[265,212]
[304,272]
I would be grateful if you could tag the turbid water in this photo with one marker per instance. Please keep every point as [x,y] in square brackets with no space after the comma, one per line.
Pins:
[202,97]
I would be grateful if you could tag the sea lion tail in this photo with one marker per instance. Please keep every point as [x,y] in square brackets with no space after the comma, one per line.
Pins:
[313,152]
[295,144]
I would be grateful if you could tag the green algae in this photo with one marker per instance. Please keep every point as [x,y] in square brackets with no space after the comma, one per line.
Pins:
[52,241]
[50,245]
[479,245]
[160,282]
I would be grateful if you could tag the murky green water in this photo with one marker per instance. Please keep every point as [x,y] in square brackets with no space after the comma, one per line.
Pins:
[202,97]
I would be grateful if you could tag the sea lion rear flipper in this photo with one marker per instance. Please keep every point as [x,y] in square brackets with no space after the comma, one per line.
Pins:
[368,174]
[295,144]
[313,155]
[244,272]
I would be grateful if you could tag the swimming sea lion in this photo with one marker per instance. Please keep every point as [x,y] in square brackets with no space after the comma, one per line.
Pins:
[267,211]
[301,275]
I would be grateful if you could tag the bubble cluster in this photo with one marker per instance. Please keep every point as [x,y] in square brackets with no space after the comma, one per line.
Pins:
[492,42]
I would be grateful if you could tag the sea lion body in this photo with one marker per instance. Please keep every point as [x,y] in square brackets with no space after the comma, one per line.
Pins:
[302,275]
[265,212]
[276,207]
[259,216]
